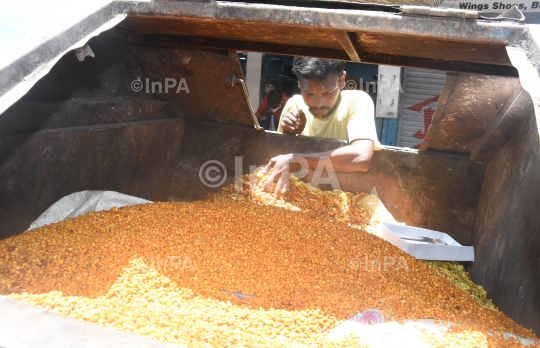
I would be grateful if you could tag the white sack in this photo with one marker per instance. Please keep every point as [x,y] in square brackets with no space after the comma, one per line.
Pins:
[83,202]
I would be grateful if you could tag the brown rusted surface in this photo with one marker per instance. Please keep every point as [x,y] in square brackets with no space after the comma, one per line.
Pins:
[38,169]
[446,92]
[309,36]
[472,105]
[224,44]
[433,192]
[205,73]
[410,46]
[36,115]
[517,109]
[439,193]
[350,51]
[99,89]
[506,235]
[273,33]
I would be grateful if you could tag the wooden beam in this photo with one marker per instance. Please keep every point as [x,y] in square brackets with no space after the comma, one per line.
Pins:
[447,89]
[349,42]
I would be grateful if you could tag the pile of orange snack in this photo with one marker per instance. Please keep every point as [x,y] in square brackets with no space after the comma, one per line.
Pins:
[158,270]
[360,210]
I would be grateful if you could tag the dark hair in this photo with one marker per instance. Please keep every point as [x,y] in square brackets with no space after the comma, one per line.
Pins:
[316,68]
[274,98]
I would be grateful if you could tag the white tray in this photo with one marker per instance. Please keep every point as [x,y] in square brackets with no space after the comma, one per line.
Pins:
[453,251]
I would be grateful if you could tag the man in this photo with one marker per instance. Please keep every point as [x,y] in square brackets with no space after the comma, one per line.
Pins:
[275,100]
[323,110]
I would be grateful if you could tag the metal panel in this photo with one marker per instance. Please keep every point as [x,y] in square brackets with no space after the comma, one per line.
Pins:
[37,169]
[506,233]
[467,108]
[421,89]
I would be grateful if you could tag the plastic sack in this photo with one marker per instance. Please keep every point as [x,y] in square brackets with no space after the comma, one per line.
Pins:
[83,202]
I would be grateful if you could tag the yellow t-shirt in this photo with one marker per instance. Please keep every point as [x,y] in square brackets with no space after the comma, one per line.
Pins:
[353,119]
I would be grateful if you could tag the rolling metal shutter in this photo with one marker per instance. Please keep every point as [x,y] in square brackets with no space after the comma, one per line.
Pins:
[421,90]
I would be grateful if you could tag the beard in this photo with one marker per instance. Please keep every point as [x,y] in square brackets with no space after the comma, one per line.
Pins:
[320,109]
[330,109]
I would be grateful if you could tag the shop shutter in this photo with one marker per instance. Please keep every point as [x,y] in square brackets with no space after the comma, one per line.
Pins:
[421,90]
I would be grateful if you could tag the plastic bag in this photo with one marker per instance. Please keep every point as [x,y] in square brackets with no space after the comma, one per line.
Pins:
[83,202]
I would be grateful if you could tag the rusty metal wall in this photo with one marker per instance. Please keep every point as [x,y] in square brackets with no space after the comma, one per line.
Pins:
[84,127]
[38,169]
[507,229]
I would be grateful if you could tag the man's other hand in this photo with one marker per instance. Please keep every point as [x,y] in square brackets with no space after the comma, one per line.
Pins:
[294,122]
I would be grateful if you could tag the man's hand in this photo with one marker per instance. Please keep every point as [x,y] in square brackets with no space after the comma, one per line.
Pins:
[355,157]
[294,122]
[282,172]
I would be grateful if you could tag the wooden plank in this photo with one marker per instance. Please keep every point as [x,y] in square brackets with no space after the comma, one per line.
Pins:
[394,39]
[236,30]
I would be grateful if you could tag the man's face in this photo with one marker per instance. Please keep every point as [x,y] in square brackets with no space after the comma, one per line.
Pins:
[321,96]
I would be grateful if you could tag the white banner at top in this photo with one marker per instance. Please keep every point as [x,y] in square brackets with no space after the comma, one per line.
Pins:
[493,6]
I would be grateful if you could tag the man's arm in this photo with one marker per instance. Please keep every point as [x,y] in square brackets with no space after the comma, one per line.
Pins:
[355,157]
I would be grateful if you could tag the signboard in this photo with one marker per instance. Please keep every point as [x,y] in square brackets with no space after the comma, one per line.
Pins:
[493,6]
